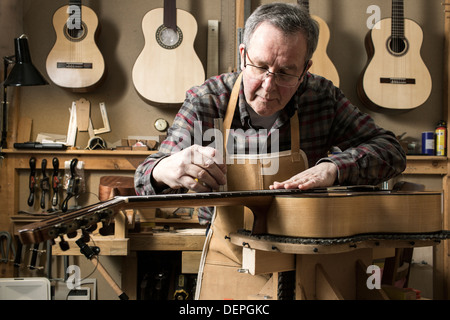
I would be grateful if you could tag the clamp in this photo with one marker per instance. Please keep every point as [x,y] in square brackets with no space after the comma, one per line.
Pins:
[9,245]
[73,186]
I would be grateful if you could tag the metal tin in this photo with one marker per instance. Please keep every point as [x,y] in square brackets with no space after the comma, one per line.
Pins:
[428,143]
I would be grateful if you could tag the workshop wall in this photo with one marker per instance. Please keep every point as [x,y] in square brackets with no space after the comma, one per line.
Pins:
[121,40]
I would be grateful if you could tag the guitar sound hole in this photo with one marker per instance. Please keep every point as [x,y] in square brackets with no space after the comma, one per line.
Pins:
[397,46]
[75,34]
[168,38]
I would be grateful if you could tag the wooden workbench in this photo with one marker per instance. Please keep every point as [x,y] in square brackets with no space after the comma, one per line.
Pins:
[104,162]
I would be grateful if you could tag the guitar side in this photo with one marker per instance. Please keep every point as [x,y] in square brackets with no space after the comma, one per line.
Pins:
[394,81]
[164,75]
[322,64]
[74,53]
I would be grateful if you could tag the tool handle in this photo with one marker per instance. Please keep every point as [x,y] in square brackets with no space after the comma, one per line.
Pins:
[32,181]
[44,182]
[55,182]
[73,165]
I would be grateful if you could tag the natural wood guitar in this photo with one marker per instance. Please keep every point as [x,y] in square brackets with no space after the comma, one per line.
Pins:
[75,62]
[322,64]
[396,76]
[168,65]
[319,213]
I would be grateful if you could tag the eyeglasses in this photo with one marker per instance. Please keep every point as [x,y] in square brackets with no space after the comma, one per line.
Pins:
[261,73]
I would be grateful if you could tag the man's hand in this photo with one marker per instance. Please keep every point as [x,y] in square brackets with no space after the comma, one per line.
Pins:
[322,175]
[196,168]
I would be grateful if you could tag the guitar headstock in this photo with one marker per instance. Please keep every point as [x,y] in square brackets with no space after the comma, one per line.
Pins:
[68,224]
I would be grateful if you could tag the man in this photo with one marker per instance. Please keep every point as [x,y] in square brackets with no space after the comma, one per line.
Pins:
[279,42]
[291,113]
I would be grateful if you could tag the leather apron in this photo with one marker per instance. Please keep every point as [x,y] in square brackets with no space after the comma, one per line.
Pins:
[218,276]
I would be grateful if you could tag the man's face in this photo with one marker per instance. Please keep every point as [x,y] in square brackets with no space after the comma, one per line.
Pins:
[278,53]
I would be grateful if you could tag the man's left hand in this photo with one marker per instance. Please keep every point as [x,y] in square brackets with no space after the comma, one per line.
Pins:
[320,176]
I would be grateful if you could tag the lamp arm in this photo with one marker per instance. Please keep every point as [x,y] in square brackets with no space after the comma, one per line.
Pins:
[6,62]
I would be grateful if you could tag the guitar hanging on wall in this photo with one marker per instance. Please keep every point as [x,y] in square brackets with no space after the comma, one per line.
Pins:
[396,76]
[167,66]
[75,62]
[322,64]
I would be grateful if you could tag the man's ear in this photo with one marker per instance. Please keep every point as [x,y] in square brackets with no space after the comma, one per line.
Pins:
[242,53]
[309,64]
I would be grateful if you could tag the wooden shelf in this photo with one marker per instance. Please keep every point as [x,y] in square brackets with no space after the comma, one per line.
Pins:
[107,152]
[102,160]
[426,165]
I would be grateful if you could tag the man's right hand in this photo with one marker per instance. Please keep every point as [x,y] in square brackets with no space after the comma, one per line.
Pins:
[196,168]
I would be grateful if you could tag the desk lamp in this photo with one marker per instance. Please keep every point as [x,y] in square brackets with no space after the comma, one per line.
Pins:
[24,73]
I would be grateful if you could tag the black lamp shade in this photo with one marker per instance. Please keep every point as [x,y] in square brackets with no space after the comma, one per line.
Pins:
[24,73]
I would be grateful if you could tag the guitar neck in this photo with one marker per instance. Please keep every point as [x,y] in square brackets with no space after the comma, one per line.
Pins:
[170,14]
[398,19]
[70,222]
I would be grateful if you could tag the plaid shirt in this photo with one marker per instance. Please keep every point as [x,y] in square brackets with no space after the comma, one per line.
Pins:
[370,154]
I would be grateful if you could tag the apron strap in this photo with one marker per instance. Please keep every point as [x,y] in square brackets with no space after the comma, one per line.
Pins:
[231,109]
[295,136]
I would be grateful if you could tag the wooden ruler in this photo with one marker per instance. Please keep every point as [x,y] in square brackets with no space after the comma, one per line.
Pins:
[227,40]
[243,10]
[212,67]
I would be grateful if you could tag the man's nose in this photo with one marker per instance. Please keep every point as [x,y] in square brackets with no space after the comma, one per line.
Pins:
[269,80]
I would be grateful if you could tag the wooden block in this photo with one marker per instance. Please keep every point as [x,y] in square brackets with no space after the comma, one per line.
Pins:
[269,291]
[107,244]
[190,261]
[83,114]
[123,148]
[152,144]
[24,129]
[262,262]
[381,253]
[147,214]
[143,148]
[325,287]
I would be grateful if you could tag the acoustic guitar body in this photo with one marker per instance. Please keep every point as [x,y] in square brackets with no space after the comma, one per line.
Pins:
[163,73]
[322,64]
[75,62]
[395,77]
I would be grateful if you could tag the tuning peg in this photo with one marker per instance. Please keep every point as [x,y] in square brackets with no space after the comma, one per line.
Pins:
[91,228]
[63,244]
[72,235]
[106,229]
[85,235]
[88,251]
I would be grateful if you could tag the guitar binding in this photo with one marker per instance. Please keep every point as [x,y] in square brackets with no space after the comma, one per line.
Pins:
[162,37]
[397,46]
